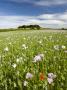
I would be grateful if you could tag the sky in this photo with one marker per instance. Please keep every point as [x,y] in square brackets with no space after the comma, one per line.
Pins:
[46,13]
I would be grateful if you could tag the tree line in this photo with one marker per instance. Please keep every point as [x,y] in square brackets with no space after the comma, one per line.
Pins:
[29,27]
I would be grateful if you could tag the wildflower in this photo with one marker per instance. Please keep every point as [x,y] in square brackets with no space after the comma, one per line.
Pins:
[24,46]
[42,76]
[14,65]
[50,80]
[18,59]
[6,49]
[42,55]
[40,41]
[56,47]
[29,75]
[63,47]
[25,83]
[51,75]
[38,58]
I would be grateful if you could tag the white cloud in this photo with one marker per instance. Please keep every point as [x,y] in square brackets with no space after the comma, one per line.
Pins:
[51,2]
[46,20]
[46,16]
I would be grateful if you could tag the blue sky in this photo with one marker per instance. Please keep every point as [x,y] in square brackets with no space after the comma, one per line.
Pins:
[47,13]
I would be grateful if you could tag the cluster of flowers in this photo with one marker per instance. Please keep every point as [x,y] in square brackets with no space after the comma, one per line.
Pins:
[37,58]
[57,47]
[6,49]
[50,77]
[29,75]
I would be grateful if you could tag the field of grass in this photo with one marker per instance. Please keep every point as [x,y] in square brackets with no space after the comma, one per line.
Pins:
[33,60]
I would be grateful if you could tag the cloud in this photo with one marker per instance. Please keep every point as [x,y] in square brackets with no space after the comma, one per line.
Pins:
[45,20]
[42,2]
[50,2]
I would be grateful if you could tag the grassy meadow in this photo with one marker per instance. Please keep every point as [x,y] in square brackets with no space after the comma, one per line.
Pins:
[33,60]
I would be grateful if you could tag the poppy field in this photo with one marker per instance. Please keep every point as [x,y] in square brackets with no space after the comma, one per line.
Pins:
[33,60]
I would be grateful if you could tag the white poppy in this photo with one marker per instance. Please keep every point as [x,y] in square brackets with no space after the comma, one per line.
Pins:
[29,75]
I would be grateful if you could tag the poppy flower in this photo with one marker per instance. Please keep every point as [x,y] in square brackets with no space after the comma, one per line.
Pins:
[29,75]
[42,76]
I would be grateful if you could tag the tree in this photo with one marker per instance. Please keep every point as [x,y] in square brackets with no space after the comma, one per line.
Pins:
[29,26]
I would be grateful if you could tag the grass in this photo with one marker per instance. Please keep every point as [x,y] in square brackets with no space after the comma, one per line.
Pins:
[18,50]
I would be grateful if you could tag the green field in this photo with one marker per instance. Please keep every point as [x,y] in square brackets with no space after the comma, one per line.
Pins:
[33,60]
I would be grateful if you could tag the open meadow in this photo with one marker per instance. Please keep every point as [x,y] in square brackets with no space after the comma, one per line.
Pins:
[33,60]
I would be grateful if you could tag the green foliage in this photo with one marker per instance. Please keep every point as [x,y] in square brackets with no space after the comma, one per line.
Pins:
[29,27]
